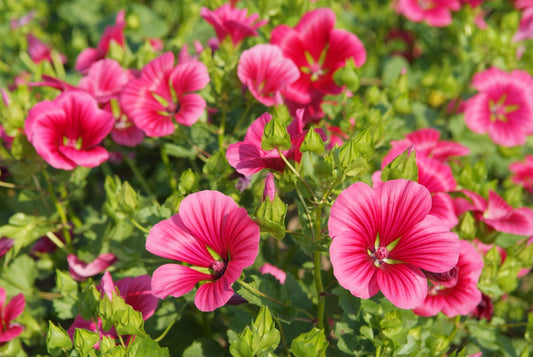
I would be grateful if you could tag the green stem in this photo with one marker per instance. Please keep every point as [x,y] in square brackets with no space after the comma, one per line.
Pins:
[318,269]
[297,174]
[164,333]
[243,116]
[283,340]
[221,130]
[137,174]
[138,225]
[259,293]
[59,209]
[171,178]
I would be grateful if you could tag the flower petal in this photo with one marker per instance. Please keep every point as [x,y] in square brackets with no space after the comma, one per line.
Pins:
[175,280]
[404,285]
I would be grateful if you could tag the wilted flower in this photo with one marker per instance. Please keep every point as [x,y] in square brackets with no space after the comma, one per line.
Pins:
[80,270]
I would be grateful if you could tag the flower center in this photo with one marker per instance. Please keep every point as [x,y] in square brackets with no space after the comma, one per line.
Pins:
[444,280]
[73,143]
[498,110]
[426,4]
[379,255]
[218,268]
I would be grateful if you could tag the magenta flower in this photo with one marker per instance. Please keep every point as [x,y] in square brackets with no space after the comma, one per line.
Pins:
[274,271]
[39,51]
[525,29]
[496,213]
[5,245]
[80,270]
[248,157]
[8,313]
[503,107]
[105,80]
[270,187]
[111,33]
[384,237]
[427,142]
[162,94]
[266,73]
[66,131]
[523,173]
[438,178]
[136,292]
[434,12]
[455,292]
[318,50]
[214,237]
[232,22]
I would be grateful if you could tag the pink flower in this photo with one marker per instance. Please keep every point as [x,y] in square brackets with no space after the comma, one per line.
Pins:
[523,4]
[80,270]
[163,93]
[136,292]
[384,237]
[8,313]
[5,245]
[111,33]
[248,157]
[438,178]
[274,271]
[232,22]
[124,131]
[427,142]
[434,12]
[39,51]
[523,173]
[214,237]
[525,30]
[503,107]
[496,213]
[266,73]
[484,310]
[105,80]
[66,131]
[318,50]
[455,292]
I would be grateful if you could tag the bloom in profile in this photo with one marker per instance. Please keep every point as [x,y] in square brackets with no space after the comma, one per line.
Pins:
[136,292]
[8,313]
[5,245]
[427,142]
[274,271]
[266,73]
[164,93]
[230,21]
[111,33]
[80,270]
[523,173]
[39,51]
[318,50]
[455,292]
[503,107]
[525,29]
[496,213]
[105,80]
[434,12]
[215,238]
[384,237]
[248,157]
[66,131]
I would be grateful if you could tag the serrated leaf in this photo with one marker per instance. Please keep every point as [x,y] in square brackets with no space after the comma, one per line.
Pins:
[85,340]
[57,340]
[146,347]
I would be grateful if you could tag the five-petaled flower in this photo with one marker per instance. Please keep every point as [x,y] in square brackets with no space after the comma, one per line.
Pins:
[384,237]
[214,238]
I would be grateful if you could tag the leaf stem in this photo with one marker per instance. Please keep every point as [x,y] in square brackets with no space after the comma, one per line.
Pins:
[137,174]
[59,209]
[318,269]
[297,174]
[164,333]
[259,293]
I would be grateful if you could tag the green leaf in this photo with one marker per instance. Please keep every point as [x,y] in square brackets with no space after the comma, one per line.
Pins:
[205,347]
[20,275]
[65,306]
[276,136]
[402,167]
[85,340]
[310,344]
[146,347]
[312,142]
[57,340]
